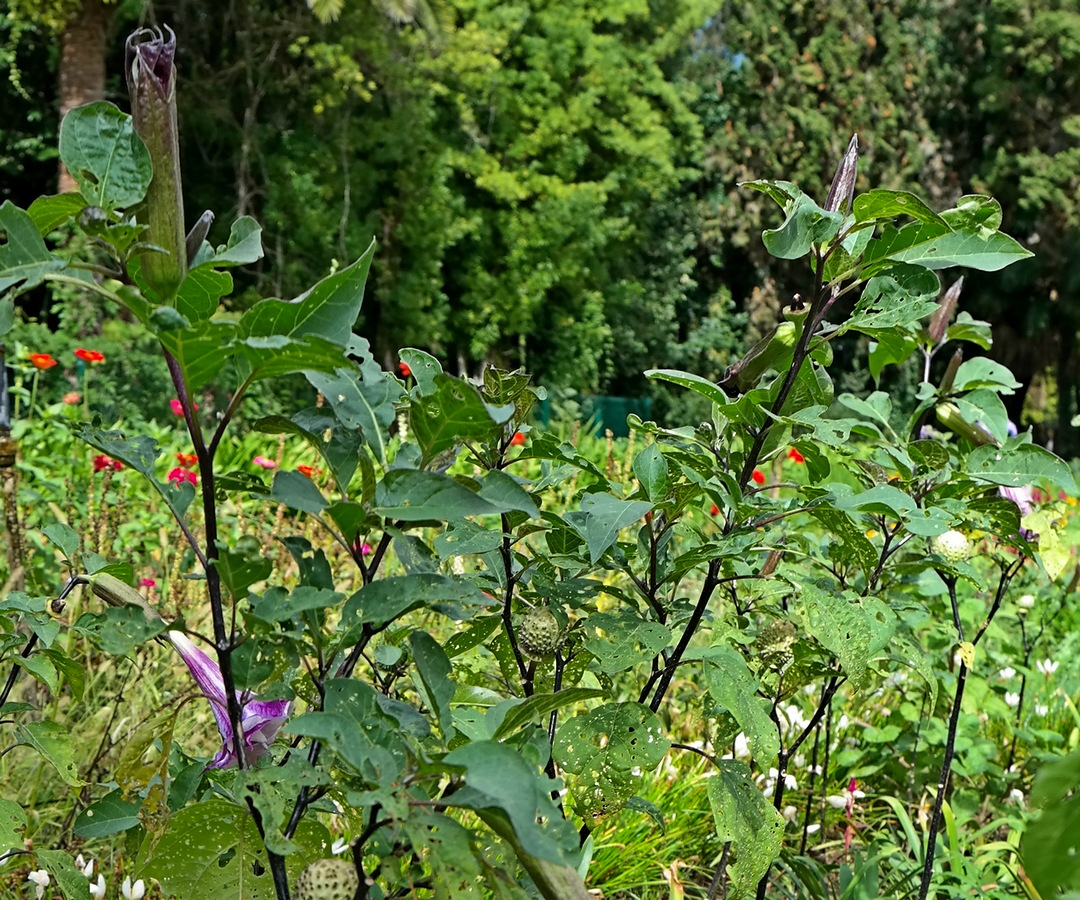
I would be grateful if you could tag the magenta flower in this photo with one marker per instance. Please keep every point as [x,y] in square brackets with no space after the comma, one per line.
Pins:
[260,720]
[1023,497]
[263,463]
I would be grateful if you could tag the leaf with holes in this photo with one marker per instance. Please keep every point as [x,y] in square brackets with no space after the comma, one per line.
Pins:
[854,629]
[626,641]
[607,749]
[745,818]
[733,687]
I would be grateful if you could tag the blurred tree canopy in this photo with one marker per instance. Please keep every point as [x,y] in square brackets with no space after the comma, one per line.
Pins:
[555,184]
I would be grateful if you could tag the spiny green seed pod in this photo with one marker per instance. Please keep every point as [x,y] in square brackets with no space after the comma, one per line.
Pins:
[539,635]
[775,641]
[953,545]
[327,879]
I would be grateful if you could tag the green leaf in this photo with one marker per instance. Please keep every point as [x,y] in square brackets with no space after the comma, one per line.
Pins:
[854,629]
[212,851]
[54,742]
[604,517]
[806,224]
[983,372]
[243,565]
[63,537]
[338,446]
[41,668]
[272,790]
[424,367]
[901,295]
[382,601]
[965,328]
[12,825]
[691,381]
[745,818]
[119,630]
[884,204]
[733,687]
[243,247]
[452,413]
[881,499]
[538,705]
[328,310]
[362,398]
[504,491]
[60,865]
[201,350]
[933,248]
[105,156]
[628,640]
[1017,465]
[1050,846]
[50,213]
[434,682]
[415,496]
[496,777]
[297,491]
[24,258]
[651,470]
[607,748]
[975,212]
[109,815]
[889,349]
[199,293]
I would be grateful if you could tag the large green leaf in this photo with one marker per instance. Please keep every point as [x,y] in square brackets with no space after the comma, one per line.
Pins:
[937,247]
[212,851]
[105,156]
[59,864]
[1017,465]
[885,204]
[607,749]
[854,629]
[201,350]
[900,295]
[414,496]
[496,777]
[54,742]
[690,381]
[734,688]
[603,517]
[24,258]
[745,818]
[12,825]
[381,602]
[53,211]
[623,639]
[1050,847]
[452,413]
[433,679]
[328,310]
[109,815]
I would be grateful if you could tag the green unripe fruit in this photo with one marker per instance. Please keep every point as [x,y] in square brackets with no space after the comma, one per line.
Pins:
[953,545]
[539,635]
[327,879]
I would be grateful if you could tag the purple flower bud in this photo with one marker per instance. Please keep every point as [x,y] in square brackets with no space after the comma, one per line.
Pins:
[152,88]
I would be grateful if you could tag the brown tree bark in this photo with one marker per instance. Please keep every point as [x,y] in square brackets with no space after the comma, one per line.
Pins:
[82,65]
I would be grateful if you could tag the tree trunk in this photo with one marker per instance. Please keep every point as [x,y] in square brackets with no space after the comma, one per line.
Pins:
[82,65]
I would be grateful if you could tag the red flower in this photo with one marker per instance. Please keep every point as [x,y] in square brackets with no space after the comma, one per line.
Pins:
[714,510]
[101,462]
[187,460]
[147,582]
[178,408]
[758,476]
[179,476]
[403,368]
[42,361]
[90,356]
[517,440]
[795,456]
[309,471]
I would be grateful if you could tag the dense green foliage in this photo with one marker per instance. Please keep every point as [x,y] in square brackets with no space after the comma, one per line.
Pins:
[462,646]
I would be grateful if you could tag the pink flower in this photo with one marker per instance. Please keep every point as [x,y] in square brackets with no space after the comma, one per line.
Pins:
[178,408]
[101,462]
[180,476]
[365,550]
[72,398]
[148,582]
[263,463]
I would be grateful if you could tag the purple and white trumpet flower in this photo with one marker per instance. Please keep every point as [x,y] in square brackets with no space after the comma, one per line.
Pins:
[260,720]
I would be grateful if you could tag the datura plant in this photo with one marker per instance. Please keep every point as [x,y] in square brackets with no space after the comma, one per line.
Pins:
[502,680]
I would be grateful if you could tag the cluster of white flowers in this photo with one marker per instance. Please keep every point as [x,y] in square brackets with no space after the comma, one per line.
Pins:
[128,890]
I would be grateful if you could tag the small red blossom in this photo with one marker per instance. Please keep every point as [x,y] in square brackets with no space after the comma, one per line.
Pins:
[180,476]
[795,456]
[365,550]
[90,356]
[517,440]
[72,398]
[178,408]
[309,471]
[714,510]
[187,460]
[147,582]
[403,368]
[263,463]
[102,462]
[758,476]
[42,361]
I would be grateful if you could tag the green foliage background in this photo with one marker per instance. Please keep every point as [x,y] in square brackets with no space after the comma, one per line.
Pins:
[553,185]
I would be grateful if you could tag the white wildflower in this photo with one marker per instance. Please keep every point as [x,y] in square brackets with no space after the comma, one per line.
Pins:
[97,890]
[40,878]
[1006,673]
[1047,666]
[1012,699]
[134,891]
